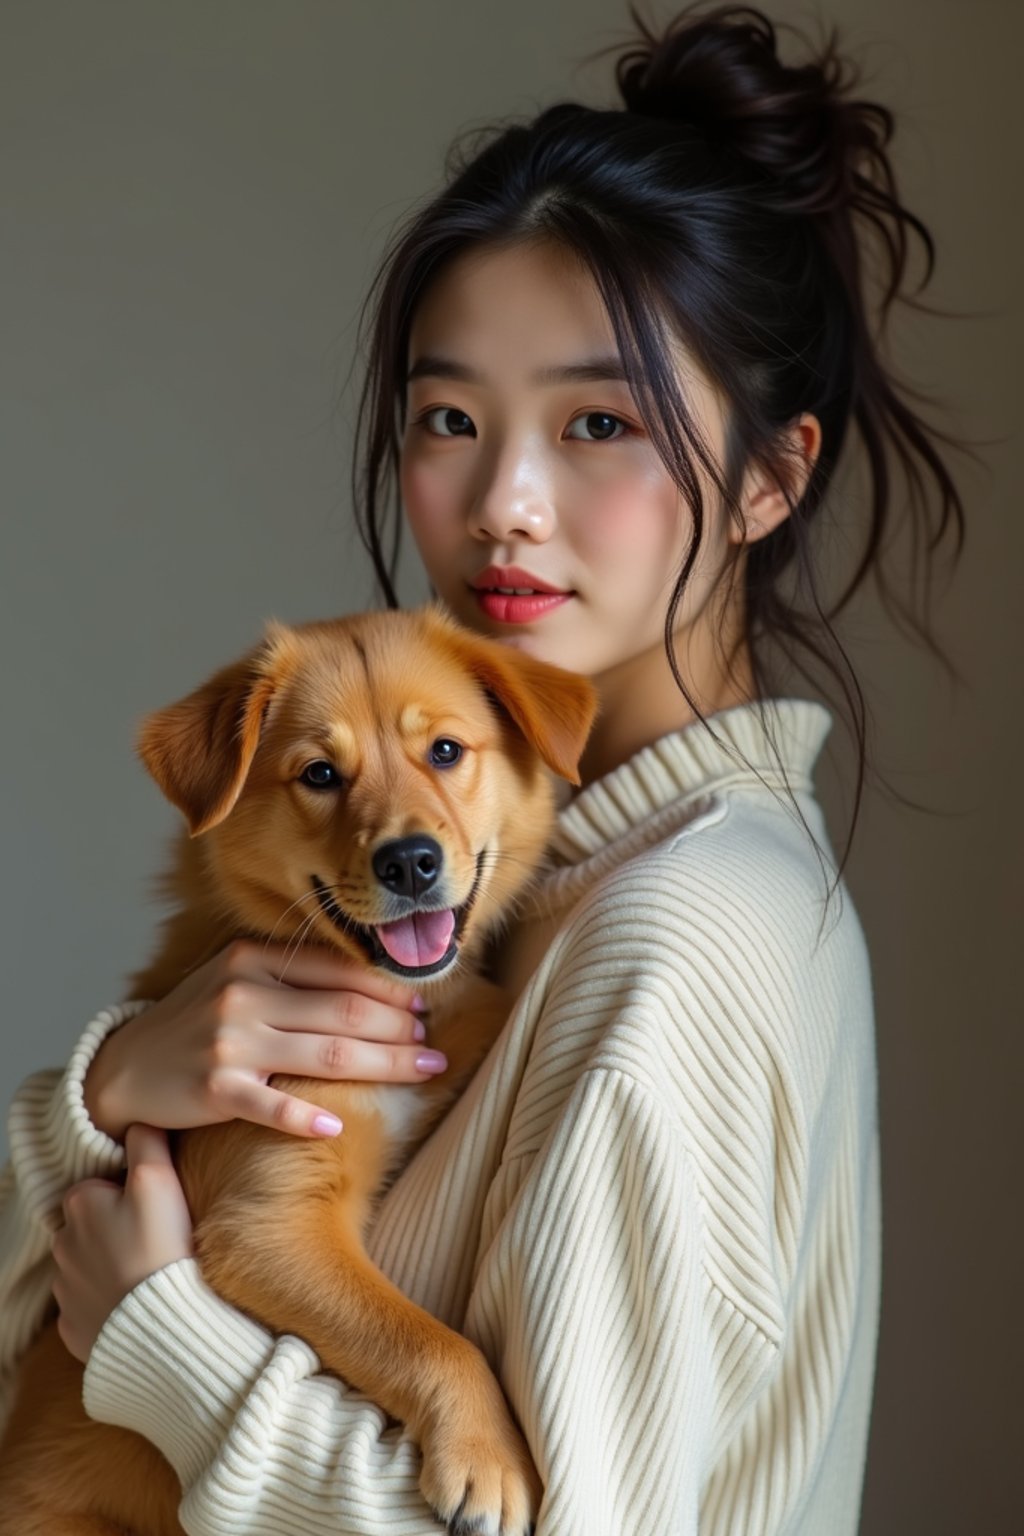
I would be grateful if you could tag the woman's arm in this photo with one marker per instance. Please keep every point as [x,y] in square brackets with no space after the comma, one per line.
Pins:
[53,1144]
[262,1441]
[115,1240]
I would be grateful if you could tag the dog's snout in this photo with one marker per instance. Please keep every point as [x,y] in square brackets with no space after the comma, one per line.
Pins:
[408,865]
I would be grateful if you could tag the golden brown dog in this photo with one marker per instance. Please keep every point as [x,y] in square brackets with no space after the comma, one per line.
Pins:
[381,785]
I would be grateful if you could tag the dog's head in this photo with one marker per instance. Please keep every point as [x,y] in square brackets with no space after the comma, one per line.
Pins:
[381,783]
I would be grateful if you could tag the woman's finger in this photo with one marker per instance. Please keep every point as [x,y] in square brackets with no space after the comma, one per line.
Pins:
[75,1190]
[146,1144]
[262,1105]
[331,1014]
[337,1057]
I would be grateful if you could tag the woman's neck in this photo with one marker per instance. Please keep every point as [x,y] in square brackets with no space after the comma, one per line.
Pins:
[641,701]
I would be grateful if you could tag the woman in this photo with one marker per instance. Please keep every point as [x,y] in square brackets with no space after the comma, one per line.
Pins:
[613,364]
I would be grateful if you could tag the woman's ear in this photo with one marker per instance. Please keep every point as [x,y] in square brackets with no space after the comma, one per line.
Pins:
[200,750]
[762,500]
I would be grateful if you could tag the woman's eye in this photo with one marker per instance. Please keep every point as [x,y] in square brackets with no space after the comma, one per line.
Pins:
[445,752]
[320,775]
[602,424]
[455,422]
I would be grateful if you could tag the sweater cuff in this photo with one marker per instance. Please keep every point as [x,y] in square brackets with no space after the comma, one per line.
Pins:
[177,1364]
[53,1141]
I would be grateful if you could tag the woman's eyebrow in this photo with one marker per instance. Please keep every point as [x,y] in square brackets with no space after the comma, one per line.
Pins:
[592,370]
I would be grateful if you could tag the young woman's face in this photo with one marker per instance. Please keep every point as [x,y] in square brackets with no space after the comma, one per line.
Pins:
[519,452]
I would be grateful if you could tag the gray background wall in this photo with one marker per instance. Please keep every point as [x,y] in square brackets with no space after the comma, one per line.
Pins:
[193,197]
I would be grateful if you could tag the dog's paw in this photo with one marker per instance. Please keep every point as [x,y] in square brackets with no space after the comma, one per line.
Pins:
[478,1475]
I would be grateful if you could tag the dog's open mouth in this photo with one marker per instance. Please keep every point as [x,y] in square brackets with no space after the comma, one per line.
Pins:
[424,943]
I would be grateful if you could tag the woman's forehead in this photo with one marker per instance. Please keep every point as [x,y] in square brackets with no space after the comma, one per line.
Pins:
[534,299]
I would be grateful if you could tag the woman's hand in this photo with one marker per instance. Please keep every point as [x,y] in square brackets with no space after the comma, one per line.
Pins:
[203,1053]
[112,1238]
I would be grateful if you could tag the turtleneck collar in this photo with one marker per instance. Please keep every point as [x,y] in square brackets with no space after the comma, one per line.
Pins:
[667,783]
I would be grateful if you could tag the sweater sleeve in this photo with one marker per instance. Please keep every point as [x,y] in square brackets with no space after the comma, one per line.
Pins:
[53,1145]
[263,1442]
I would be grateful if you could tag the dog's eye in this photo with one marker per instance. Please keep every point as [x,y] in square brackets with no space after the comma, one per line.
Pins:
[445,752]
[320,775]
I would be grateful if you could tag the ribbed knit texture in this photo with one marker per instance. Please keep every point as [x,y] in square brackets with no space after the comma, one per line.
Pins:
[656,1207]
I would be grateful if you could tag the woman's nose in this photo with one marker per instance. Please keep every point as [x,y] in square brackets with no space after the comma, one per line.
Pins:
[514,499]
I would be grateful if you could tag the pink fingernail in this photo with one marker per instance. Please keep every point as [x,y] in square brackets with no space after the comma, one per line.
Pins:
[326,1125]
[419,1030]
[431,1061]
[418,1005]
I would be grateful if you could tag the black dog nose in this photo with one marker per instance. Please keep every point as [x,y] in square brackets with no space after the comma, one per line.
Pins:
[408,865]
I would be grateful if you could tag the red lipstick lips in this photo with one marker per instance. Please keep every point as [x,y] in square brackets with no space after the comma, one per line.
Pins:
[525,597]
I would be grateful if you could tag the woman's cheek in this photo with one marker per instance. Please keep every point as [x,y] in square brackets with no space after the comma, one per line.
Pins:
[621,523]
[430,502]
[419,489]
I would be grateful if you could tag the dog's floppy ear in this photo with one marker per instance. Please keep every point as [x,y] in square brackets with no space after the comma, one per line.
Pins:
[553,708]
[199,750]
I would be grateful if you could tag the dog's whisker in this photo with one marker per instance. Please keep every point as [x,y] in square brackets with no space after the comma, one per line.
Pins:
[491,861]
[295,943]
[295,946]
[306,896]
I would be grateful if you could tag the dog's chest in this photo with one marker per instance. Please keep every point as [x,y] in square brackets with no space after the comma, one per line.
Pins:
[403,1109]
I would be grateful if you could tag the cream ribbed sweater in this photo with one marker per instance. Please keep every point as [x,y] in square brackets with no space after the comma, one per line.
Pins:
[656,1208]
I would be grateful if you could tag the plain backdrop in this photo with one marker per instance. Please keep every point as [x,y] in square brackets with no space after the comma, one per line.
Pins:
[193,198]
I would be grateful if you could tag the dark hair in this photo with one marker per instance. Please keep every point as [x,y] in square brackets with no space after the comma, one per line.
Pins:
[725,200]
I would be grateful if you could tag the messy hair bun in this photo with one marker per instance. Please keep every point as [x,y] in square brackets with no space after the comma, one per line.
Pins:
[721,74]
[822,150]
[727,207]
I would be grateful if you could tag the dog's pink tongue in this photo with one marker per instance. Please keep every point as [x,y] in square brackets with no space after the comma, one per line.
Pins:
[418,940]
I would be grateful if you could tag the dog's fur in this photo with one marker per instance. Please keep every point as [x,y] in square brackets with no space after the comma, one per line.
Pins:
[279,1219]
